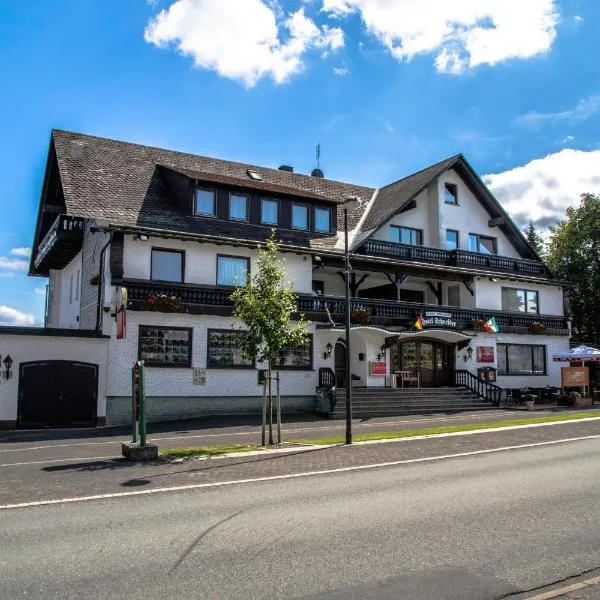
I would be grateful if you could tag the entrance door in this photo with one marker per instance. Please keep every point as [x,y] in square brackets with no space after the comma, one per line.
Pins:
[432,360]
[57,393]
[339,360]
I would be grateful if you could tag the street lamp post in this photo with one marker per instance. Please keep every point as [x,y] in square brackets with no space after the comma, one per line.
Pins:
[349,203]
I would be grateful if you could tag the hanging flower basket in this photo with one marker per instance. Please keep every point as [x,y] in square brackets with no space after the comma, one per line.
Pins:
[163,303]
[362,316]
[478,325]
[94,279]
[537,327]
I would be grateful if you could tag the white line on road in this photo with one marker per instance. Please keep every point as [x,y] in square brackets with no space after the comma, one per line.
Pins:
[197,486]
[256,429]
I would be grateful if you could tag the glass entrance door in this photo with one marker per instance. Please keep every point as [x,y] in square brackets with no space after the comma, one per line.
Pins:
[432,360]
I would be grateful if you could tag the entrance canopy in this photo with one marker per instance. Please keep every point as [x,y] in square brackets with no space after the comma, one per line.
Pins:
[581,353]
[440,335]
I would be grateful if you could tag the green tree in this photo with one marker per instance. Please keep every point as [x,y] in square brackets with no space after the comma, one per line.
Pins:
[574,256]
[267,306]
[535,239]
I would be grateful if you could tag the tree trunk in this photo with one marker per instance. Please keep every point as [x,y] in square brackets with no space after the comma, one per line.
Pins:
[270,406]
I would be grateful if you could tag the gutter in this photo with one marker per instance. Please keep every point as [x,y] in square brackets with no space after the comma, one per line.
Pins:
[101,278]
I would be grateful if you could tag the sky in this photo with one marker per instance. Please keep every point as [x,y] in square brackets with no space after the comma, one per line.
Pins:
[386,87]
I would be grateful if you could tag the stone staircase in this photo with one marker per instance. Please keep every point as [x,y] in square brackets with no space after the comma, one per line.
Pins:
[382,402]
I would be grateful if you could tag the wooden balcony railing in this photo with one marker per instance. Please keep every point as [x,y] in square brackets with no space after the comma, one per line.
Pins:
[199,299]
[457,258]
[62,241]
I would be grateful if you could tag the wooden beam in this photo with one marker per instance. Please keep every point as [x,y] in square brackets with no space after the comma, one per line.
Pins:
[496,221]
[468,286]
[437,290]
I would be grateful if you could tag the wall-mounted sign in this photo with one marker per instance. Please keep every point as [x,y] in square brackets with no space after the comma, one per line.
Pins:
[439,319]
[485,354]
[199,376]
[574,376]
[377,367]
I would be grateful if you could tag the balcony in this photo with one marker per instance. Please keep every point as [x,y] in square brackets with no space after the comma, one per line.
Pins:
[59,246]
[197,299]
[454,258]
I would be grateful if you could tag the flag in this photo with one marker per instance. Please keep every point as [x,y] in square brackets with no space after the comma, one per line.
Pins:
[491,326]
[419,323]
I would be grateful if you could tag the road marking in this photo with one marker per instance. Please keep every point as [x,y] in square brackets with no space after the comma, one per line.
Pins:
[256,430]
[218,484]
[565,590]
[58,460]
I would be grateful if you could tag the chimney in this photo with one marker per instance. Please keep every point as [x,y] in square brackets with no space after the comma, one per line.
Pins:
[286,168]
[317,173]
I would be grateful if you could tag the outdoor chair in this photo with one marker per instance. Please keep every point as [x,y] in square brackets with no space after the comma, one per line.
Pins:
[409,377]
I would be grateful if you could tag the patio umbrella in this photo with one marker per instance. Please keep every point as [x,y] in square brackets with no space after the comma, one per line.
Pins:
[581,353]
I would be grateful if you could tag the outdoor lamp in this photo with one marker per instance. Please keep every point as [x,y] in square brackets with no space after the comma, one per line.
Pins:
[328,350]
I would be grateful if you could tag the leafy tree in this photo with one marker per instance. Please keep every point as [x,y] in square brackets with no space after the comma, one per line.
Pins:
[266,306]
[535,239]
[574,255]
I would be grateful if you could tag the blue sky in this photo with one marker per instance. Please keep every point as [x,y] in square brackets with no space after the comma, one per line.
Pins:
[385,89]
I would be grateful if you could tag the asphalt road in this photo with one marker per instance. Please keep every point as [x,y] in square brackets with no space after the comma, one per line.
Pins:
[476,527]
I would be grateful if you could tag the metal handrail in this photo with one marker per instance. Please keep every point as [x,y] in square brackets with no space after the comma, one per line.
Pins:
[484,389]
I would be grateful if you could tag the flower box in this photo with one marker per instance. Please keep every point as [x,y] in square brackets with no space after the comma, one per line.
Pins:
[163,303]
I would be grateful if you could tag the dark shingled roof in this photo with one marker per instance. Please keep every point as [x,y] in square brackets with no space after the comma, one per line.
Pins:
[392,198]
[120,182]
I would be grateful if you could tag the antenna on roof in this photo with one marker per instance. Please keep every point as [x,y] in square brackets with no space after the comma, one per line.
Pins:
[317,172]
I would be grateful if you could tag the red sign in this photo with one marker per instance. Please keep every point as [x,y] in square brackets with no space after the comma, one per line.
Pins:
[377,368]
[485,354]
[121,325]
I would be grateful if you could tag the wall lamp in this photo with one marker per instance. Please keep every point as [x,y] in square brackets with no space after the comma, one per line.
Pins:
[328,350]
[143,237]
[381,353]
[493,279]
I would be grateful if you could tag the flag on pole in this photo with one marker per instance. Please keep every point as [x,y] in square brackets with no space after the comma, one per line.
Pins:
[491,326]
[419,323]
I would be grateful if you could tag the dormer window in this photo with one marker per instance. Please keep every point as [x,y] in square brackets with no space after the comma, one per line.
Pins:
[238,207]
[322,220]
[450,193]
[299,216]
[269,210]
[205,202]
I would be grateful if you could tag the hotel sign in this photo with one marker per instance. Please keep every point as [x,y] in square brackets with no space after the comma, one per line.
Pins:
[439,319]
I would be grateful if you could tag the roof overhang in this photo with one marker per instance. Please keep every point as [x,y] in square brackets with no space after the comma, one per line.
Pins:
[445,336]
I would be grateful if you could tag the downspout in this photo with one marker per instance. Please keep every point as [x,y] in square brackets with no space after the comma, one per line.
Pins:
[101,284]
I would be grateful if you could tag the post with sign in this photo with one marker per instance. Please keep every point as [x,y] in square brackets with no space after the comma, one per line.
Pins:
[141,450]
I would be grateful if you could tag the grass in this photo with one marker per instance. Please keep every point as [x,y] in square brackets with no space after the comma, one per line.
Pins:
[199,451]
[407,433]
[207,451]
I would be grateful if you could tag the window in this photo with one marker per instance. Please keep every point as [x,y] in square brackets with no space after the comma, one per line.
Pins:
[300,359]
[454,295]
[450,193]
[165,346]
[254,175]
[407,235]
[482,244]
[451,239]
[516,359]
[167,265]
[516,300]
[318,287]
[299,216]
[232,270]
[224,352]
[238,207]
[412,296]
[323,220]
[205,202]
[77,284]
[268,212]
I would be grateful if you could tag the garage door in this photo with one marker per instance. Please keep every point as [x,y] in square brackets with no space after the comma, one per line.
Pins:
[57,393]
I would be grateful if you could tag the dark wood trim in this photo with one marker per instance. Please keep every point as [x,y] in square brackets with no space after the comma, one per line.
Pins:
[209,366]
[190,332]
[117,249]
[182,252]
[246,258]
[51,332]
[467,284]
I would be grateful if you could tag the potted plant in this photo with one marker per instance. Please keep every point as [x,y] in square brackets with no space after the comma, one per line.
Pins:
[478,324]
[94,279]
[529,400]
[163,303]
[361,316]
[572,398]
[537,327]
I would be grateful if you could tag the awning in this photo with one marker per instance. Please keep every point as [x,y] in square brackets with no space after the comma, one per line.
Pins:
[579,354]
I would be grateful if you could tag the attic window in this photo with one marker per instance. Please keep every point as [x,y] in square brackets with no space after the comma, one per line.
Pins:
[254,175]
[451,193]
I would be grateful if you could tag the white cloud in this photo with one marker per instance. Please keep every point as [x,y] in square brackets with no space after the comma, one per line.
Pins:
[461,35]
[341,71]
[26,252]
[242,39]
[583,110]
[578,19]
[13,264]
[12,316]
[40,291]
[542,189]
